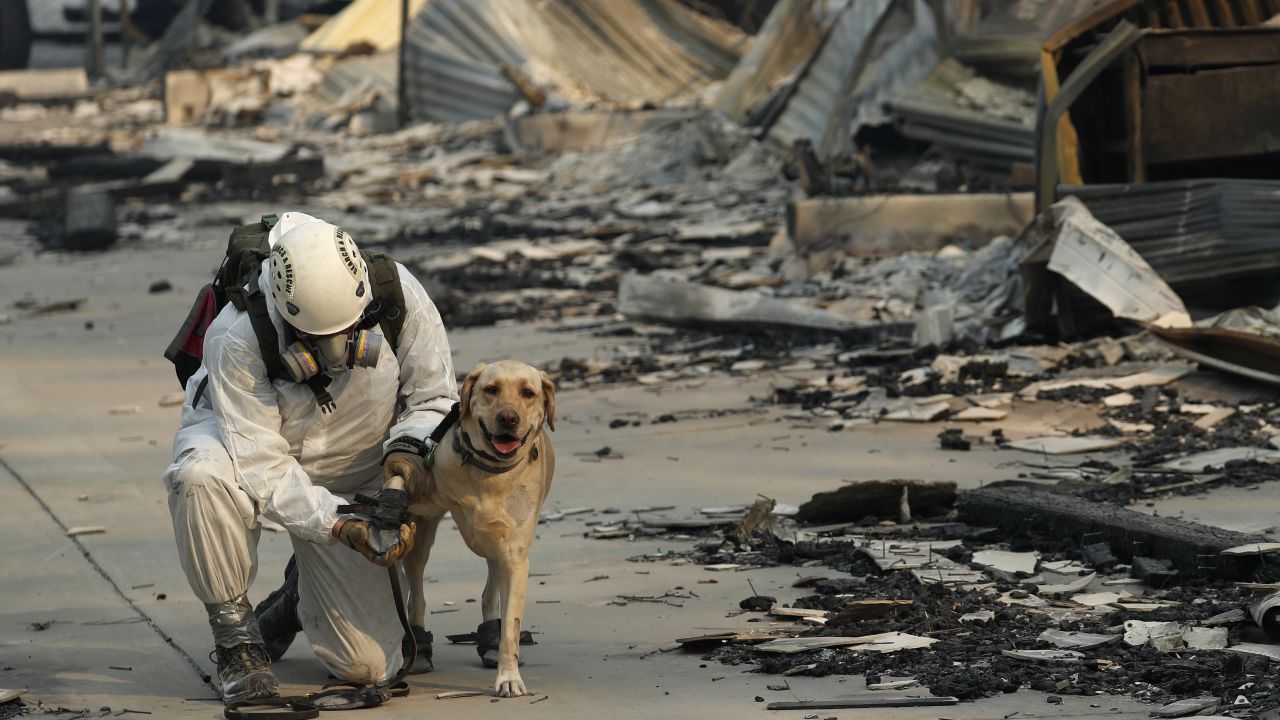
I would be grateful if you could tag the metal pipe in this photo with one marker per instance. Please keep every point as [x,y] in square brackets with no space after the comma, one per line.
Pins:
[95,63]
[402,85]
[125,38]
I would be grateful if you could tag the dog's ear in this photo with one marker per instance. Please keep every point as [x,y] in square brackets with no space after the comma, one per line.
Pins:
[549,401]
[464,396]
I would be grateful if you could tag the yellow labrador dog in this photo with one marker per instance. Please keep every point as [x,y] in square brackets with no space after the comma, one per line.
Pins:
[492,471]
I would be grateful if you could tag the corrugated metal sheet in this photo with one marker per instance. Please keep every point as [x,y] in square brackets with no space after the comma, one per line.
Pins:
[1201,235]
[874,50]
[1007,41]
[617,51]
[376,22]
[809,109]
[970,117]
[789,37]
[374,71]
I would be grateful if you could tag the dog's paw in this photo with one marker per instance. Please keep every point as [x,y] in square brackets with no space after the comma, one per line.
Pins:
[509,685]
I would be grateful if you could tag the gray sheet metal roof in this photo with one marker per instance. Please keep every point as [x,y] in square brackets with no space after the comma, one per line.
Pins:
[1200,235]
[874,50]
[968,116]
[616,51]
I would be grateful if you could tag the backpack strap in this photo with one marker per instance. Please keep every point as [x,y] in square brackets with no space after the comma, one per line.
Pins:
[254,303]
[388,295]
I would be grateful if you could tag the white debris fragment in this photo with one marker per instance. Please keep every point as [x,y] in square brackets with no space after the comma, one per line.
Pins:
[1010,562]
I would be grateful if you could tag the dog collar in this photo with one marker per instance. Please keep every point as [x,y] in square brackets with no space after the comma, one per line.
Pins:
[468,452]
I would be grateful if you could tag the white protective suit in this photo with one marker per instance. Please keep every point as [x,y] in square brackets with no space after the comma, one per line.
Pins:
[254,448]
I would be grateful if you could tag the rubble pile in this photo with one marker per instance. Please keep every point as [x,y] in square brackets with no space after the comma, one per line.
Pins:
[1067,629]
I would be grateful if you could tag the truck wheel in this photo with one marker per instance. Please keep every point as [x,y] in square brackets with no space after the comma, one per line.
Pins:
[15,34]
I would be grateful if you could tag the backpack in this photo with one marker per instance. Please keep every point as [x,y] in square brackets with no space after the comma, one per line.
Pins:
[236,282]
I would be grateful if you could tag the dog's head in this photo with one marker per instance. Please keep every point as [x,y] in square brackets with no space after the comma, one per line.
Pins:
[504,404]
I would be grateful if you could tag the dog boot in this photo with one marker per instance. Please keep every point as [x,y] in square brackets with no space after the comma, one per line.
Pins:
[245,674]
[489,640]
[422,659]
[278,614]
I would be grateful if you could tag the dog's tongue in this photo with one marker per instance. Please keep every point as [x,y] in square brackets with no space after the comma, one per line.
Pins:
[506,446]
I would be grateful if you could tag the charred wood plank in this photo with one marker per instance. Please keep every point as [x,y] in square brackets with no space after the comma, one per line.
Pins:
[881,498]
[1192,548]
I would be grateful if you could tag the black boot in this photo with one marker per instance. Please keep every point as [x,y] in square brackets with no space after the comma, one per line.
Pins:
[422,659]
[278,614]
[244,673]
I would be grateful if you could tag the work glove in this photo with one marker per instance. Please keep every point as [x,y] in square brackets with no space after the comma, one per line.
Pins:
[380,547]
[407,457]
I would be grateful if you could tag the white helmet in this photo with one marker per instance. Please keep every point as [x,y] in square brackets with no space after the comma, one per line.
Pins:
[287,222]
[318,280]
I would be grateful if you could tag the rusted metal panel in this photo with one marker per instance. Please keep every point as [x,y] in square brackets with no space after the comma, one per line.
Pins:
[1199,13]
[1074,29]
[1251,10]
[1225,14]
[1240,353]
[1133,116]
[1212,114]
[789,37]
[874,50]
[1207,48]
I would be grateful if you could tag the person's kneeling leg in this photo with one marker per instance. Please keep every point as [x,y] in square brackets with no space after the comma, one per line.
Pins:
[348,613]
[217,539]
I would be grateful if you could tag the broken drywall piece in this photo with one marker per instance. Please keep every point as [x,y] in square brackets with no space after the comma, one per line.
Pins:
[1076,640]
[1205,638]
[1230,617]
[1216,459]
[979,616]
[1066,588]
[1183,708]
[1022,599]
[1157,376]
[1253,549]
[980,414]
[1131,428]
[1066,656]
[1264,649]
[800,613]
[1010,562]
[894,684]
[1120,399]
[1096,599]
[1066,445]
[880,642]
[1099,262]
[916,411]
[863,702]
[1164,636]
[1212,418]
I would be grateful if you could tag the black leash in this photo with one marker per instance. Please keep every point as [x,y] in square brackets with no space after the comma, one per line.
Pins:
[306,707]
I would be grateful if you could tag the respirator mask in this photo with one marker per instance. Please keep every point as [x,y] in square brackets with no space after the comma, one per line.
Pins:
[332,354]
